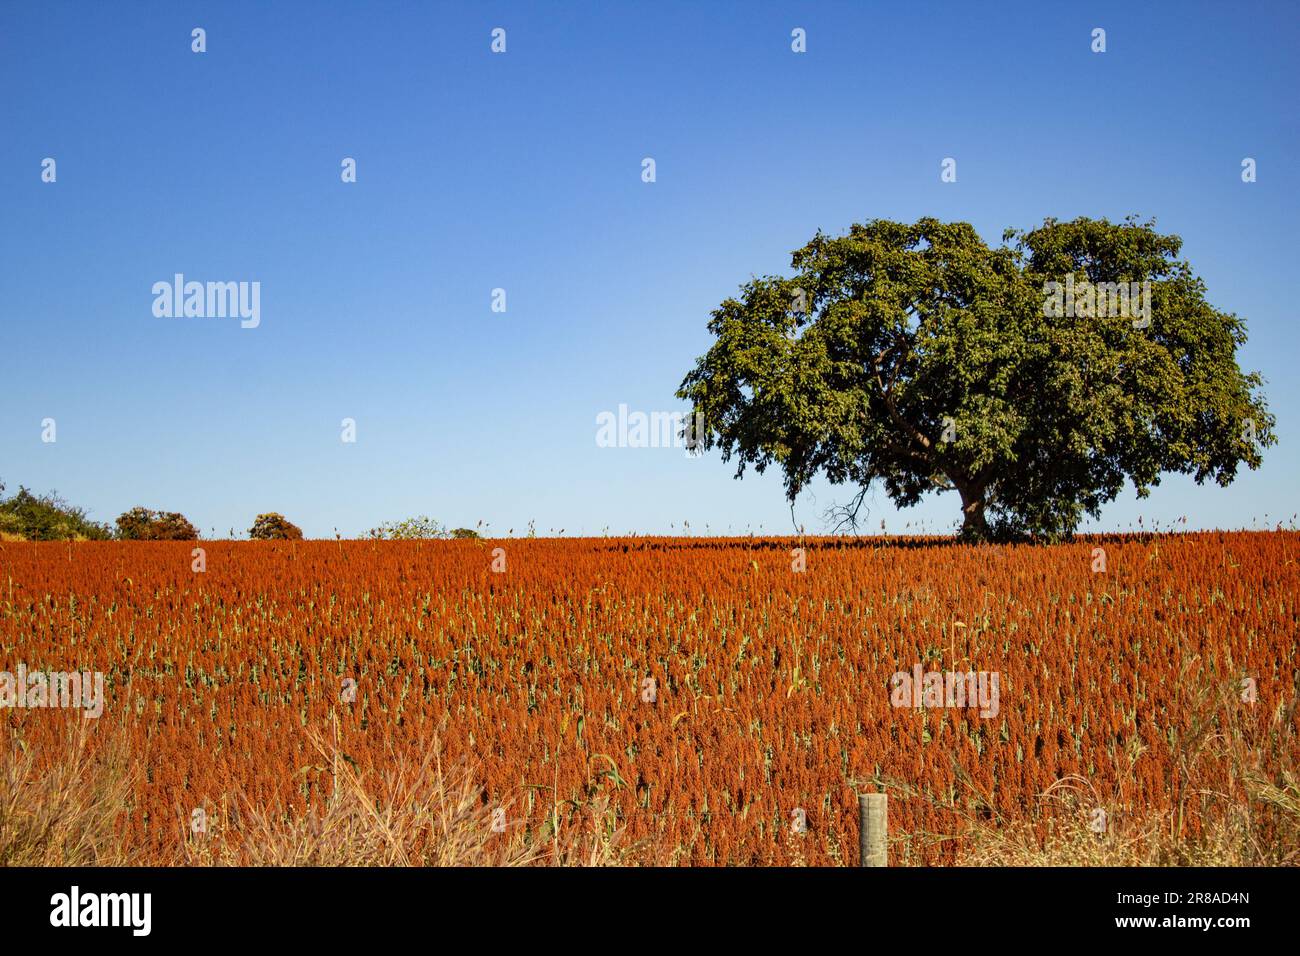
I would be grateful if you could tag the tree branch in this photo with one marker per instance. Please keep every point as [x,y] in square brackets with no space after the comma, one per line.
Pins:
[847,514]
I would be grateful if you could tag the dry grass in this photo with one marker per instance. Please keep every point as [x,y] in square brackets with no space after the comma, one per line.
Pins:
[63,812]
[405,814]
[66,811]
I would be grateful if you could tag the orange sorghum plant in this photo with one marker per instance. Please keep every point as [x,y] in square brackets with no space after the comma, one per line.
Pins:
[713,703]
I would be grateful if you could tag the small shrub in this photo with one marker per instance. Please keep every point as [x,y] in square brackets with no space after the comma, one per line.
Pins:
[412,529]
[142,524]
[274,527]
[11,527]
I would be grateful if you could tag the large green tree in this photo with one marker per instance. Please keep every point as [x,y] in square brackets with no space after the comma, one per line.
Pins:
[922,358]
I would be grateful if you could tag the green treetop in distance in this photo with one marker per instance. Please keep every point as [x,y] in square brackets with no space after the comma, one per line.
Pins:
[1032,378]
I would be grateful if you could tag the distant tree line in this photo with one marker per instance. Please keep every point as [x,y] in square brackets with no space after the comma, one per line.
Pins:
[29,517]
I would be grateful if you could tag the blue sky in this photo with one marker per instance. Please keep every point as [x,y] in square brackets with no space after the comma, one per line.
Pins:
[522,171]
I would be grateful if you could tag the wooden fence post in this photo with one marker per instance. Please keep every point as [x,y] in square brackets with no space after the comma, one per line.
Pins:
[873,829]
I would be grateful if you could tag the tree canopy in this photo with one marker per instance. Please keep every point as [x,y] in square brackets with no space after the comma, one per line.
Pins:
[274,526]
[922,358]
[146,524]
[47,517]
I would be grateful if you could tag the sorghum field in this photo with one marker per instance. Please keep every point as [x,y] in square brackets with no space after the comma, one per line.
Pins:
[688,700]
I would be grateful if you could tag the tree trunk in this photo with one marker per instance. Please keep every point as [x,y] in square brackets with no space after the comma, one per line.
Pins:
[974,525]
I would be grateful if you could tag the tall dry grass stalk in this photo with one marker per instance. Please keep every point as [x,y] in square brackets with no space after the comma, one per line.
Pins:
[404,814]
[62,809]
